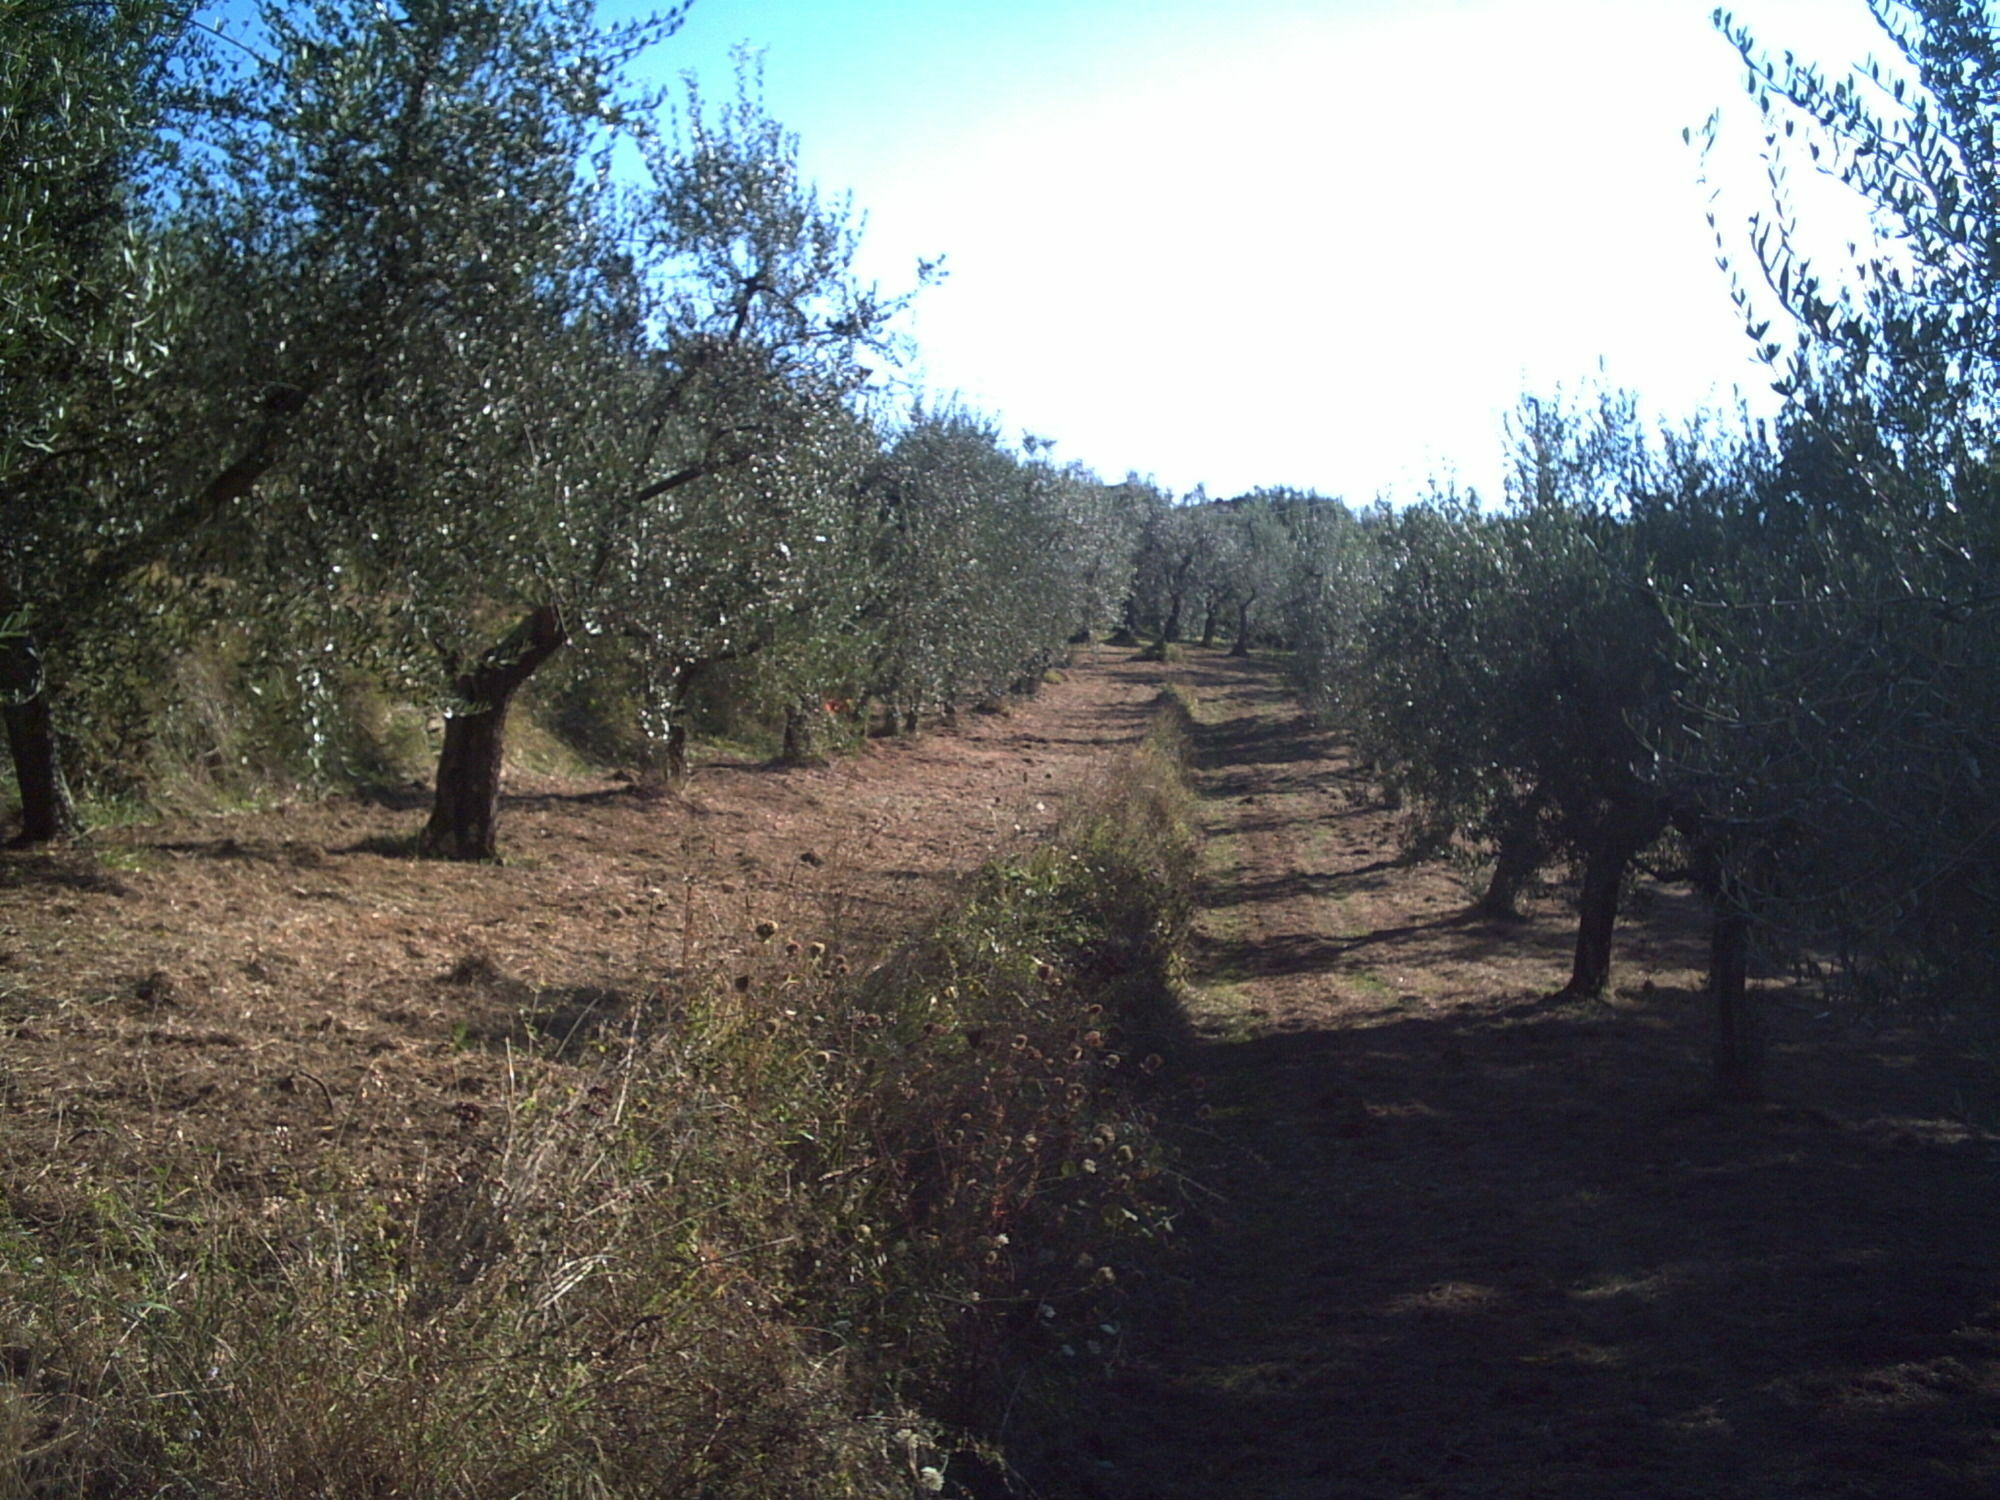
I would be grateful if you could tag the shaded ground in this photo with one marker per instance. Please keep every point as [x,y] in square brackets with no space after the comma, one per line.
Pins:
[1472,1243]
[287,993]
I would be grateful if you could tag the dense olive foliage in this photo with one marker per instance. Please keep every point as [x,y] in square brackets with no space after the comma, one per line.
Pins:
[86,308]
[1855,638]
[1241,568]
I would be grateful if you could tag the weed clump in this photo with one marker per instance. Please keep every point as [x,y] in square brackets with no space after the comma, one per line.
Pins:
[999,1101]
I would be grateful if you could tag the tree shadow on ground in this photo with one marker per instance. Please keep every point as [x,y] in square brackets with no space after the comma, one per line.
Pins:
[1478,1255]
[1332,819]
[1215,670]
[74,871]
[1233,786]
[625,791]
[254,851]
[408,796]
[1219,895]
[1460,938]
[1229,746]
[1484,1244]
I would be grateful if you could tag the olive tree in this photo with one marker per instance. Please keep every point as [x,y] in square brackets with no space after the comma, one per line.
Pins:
[1061,554]
[1104,526]
[1267,539]
[1175,545]
[1849,719]
[408,316]
[1331,588]
[1517,662]
[944,496]
[732,525]
[86,94]
[990,563]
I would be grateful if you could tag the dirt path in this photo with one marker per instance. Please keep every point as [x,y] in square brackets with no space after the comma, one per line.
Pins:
[1476,1244]
[273,991]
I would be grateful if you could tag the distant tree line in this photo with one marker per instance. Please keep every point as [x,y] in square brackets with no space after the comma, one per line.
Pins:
[414,345]
[1245,570]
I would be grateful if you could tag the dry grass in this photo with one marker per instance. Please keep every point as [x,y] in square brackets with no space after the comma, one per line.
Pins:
[786,1220]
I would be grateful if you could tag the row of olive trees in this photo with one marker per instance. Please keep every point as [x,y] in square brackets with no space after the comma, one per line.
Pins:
[1603,666]
[1779,645]
[415,336]
[80,98]
[1514,670]
[982,552]
[1234,566]
[1849,726]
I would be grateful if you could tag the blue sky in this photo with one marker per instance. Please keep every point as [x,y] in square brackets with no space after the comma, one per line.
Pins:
[1276,242]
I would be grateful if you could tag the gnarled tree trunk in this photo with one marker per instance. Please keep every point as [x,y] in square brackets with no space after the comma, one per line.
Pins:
[1242,646]
[677,752]
[1739,1033]
[1628,827]
[801,746]
[48,812]
[465,816]
[1514,865]
[1739,1039]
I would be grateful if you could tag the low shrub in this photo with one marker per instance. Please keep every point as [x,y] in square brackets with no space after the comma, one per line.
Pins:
[1001,1106]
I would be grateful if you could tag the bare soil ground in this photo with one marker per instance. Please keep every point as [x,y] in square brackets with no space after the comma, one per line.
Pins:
[1474,1243]
[288,993]
[1464,1242]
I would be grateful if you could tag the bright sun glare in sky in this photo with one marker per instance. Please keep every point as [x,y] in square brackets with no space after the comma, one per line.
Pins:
[1326,244]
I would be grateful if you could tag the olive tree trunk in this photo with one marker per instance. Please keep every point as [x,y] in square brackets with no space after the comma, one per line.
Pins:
[1242,646]
[1739,1039]
[465,816]
[1514,864]
[48,812]
[1739,1033]
[667,702]
[800,748]
[1627,828]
